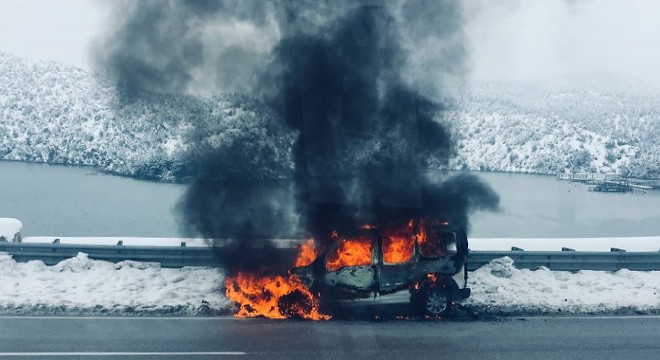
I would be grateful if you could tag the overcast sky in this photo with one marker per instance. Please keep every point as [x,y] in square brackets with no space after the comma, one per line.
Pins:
[58,30]
[530,38]
[508,39]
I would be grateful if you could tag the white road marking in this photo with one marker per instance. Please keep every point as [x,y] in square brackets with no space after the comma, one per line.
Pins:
[47,317]
[588,317]
[68,354]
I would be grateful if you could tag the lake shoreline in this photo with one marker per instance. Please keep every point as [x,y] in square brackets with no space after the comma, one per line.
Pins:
[72,201]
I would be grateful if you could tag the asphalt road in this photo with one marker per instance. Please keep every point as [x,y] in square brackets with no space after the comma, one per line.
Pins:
[215,338]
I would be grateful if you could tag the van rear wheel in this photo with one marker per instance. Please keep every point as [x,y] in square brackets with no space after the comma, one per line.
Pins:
[433,301]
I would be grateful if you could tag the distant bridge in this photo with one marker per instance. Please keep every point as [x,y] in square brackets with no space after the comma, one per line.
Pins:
[588,177]
[611,182]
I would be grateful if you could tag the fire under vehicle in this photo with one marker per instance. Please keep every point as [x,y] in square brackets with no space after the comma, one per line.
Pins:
[426,261]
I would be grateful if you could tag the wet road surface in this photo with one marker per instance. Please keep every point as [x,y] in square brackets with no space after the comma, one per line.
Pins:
[215,338]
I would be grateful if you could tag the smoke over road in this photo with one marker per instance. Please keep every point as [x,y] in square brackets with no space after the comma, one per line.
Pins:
[360,84]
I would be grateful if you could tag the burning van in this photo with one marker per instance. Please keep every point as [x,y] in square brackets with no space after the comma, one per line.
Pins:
[426,260]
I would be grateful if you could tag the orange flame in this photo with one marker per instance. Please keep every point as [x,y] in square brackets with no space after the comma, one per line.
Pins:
[307,253]
[428,242]
[274,297]
[421,232]
[429,279]
[350,252]
[398,244]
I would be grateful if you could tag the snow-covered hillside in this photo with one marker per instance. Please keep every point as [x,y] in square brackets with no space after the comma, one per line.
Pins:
[592,123]
[59,114]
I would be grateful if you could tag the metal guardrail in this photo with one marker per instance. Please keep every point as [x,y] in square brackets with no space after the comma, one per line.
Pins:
[571,260]
[170,256]
[180,256]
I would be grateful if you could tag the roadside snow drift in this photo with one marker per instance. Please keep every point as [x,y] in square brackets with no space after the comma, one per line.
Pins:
[500,288]
[83,286]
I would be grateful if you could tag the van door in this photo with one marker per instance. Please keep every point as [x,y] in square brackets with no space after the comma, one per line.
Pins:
[397,252]
[350,269]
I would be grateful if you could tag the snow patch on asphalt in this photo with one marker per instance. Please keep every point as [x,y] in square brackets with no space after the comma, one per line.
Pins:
[500,288]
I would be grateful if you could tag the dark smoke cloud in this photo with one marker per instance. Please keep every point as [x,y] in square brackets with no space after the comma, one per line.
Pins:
[363,132]
[359,82]
[191,46]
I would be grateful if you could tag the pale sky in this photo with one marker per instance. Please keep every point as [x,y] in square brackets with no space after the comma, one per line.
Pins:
[58,30]
[522,39]
[508,39]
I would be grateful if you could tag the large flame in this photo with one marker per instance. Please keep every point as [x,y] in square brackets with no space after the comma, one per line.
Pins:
[307,253]
[354,251]
[399,244]
[274,297]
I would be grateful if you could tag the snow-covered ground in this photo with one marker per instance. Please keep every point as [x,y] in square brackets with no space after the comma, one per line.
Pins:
[500,288]
[80,285]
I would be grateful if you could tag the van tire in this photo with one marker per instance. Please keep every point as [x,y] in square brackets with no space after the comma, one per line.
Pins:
[433,301]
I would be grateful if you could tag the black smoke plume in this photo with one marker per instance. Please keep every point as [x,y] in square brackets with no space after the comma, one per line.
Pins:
[186,46]
[360,84]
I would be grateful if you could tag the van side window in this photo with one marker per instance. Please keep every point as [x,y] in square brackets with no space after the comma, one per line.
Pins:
[350,252]
[398,247]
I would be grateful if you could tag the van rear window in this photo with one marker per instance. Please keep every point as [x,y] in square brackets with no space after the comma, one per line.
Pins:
[438,243]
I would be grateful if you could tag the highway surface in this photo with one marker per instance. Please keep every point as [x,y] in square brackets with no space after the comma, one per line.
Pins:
[218,338]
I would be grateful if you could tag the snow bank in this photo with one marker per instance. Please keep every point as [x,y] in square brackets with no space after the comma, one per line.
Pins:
[9,228]
[82,285]
[500,288]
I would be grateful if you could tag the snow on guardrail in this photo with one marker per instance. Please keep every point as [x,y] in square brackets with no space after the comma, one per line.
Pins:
[10,229]
[109,241]
[140,241]
[176,253]
[632,244]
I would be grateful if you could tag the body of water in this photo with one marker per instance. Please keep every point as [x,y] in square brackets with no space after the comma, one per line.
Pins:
[70,201]
[542,206]
[74,201]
